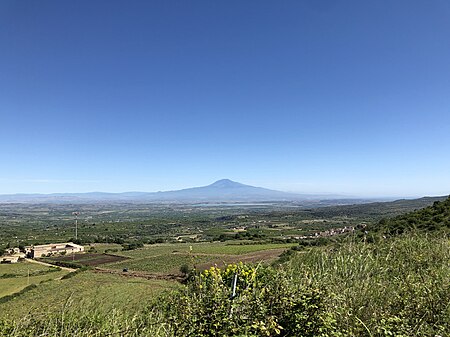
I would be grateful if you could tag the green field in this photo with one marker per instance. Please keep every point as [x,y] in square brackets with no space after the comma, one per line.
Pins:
[102,247]
[14,277]
[236,249]
[160,264]
[87,290]
[110,291]
[216,248]
[168,258]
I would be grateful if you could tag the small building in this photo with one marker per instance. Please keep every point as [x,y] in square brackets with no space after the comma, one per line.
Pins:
[10,258]
[12,255]
[12,251]
[53,248]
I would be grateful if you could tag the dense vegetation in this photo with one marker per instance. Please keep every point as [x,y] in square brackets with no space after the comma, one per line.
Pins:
[432,218]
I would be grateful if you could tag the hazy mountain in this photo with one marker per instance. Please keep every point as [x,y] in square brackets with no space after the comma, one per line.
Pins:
[224,190]
[228,191]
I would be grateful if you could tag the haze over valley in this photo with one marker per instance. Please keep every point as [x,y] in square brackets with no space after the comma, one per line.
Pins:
[223,190]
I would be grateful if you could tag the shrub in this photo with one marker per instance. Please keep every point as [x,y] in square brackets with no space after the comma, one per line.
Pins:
[266,302]
[185,269]
[132,246]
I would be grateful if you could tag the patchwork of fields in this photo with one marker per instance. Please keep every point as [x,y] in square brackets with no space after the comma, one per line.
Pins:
[134,287]
[168,258]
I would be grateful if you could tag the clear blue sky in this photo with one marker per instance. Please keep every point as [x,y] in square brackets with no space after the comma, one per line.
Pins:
[314,96]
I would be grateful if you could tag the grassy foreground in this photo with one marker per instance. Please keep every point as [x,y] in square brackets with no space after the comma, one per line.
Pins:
[395,287]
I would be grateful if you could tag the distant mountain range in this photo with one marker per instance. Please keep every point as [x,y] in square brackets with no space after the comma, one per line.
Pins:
[223,190]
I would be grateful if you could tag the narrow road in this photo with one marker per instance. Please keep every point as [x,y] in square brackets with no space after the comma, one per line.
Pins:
[49,265]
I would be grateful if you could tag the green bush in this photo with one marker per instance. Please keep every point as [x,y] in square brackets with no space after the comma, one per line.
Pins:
[132,246]
[267,302]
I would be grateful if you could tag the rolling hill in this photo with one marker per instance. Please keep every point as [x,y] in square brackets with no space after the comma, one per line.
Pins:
[431,218]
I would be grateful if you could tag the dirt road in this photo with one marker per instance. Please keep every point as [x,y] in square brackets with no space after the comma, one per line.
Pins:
[49,265]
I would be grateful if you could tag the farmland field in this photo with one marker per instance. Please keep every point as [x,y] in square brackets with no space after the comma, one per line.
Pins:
[168,258]
[85,289]
[214,248]
[14,277]
[88,259]
[160,263]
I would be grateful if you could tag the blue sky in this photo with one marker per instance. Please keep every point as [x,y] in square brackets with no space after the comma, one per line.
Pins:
[313,96]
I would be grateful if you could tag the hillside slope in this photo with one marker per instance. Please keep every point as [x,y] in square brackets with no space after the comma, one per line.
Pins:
[431,218]
[376,210]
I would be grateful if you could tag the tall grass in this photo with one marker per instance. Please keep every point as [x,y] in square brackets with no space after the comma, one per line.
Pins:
[397,287]
[87,321]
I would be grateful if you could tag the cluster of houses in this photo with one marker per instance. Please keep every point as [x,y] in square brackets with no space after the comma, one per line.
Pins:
[13,255]
[335,231]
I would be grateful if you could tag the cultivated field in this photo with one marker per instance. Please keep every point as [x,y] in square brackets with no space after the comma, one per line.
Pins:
[14,277]
[151,270]
[168,258]
[88,290]
[88,259]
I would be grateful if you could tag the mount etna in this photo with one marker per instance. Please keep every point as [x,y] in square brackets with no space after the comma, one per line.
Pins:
[224,190]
